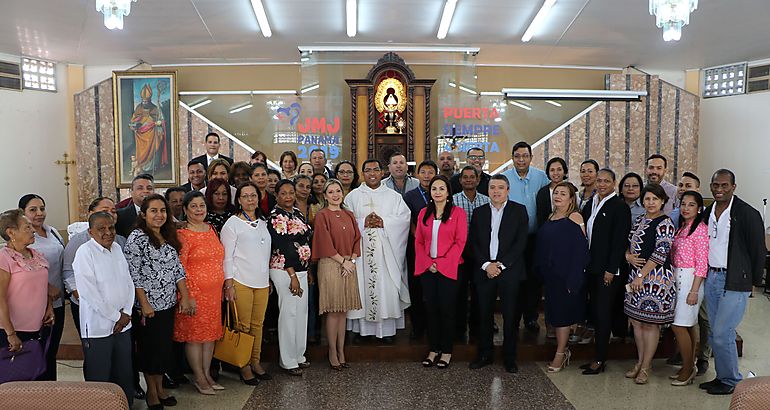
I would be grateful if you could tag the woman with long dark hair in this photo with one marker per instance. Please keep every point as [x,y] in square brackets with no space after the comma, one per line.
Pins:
[49,243]
[152,252]
[260,179]
[689,256]
[439,240]
[630,188]
[347,174]
[589,169]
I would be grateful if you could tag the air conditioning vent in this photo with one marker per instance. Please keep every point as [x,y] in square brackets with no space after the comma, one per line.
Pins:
[759,78]
[10,76]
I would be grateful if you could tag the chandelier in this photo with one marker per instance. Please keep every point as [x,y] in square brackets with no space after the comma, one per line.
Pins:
[113,11]
[672,15]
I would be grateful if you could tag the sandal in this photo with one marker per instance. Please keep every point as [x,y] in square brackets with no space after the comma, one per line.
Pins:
[345,365]
[294,372]
[428,362]
[443,364]
[304,365]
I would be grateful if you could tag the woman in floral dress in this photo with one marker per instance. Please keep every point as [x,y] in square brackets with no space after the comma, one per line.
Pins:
[290,236]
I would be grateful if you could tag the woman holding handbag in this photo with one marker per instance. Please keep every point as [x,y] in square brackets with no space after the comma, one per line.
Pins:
[247,255]
[24,303]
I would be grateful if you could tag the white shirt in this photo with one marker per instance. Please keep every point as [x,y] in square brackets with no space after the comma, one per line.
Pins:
[52,248]
[494,241]
[595,207]
[105,287]
[434,238]
[210,158]
[719,236]
[247,252]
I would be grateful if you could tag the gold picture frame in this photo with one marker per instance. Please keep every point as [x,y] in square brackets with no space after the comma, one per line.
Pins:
[146,130]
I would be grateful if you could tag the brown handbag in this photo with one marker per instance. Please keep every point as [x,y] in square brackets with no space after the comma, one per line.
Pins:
[235,346]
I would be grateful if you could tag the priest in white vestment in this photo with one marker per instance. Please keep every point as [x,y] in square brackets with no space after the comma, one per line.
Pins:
[383,219]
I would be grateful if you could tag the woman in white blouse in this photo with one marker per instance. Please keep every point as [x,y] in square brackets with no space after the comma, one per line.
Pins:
[247,255]
[50,244]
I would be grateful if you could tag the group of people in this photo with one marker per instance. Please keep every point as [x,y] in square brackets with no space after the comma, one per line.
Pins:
[155,273]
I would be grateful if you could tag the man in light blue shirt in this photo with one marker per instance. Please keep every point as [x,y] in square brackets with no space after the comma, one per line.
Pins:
[525,182]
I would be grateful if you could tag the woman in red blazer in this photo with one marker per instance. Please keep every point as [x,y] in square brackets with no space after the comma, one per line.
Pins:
[439,240]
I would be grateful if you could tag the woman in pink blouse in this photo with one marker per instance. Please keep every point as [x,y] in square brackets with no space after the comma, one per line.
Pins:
[690,259]
[24,303]
[439,240]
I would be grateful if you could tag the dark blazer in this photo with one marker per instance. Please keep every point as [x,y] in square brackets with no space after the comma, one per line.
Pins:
[126,220]
[609,236]
[188,186]
[512,237]
[543,201]
[203,159]
[482,187]
[746,250]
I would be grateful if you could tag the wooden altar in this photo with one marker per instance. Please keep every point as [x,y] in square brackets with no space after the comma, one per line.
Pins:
[390,112]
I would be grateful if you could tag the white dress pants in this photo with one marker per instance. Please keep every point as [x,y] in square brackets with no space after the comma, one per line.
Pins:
[292,318]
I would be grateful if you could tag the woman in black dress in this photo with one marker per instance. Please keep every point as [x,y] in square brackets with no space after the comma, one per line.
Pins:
[560,258]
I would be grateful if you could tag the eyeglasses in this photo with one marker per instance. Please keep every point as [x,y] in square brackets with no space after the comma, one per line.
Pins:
[715,229]
[475,157]
[521,156]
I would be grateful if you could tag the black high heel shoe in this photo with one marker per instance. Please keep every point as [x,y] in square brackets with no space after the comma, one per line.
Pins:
[250,382]
[591,370]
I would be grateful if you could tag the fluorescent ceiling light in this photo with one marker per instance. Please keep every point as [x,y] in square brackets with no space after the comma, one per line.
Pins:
[568,94]
[310,88]
[554,103]
[446,18]
[386,48]
[240,92]
[491,93]
[351,9]
[259,11]
[468,90]
[520,105]
[540,17]
[453,85]
[200,104]
[241,108]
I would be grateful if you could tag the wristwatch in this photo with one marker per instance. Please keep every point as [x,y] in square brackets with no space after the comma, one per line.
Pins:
[639,274]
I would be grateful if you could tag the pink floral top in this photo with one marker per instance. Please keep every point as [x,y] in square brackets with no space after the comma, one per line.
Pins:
[290,236]
[692,251]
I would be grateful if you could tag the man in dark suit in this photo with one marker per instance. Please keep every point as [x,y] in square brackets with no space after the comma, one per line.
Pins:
[141,187]
[212,151]
[498,233]
[196,176]
[736,259]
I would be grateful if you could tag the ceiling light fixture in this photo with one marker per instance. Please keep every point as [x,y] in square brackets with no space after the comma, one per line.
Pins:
[240,92]
[554,103]
[520,105]
[259,11]
[672,15]
[310,88]
[386,48]
[241,108]
[351,9]
[540,17]
[491,94]
[113,11]
[200,104]
[446,18]
[570,94]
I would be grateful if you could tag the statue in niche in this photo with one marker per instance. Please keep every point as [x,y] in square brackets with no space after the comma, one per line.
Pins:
[390,101]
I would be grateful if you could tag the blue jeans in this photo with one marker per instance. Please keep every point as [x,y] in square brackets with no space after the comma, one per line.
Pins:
[725,310]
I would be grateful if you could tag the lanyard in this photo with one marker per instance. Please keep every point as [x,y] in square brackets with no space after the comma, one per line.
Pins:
[422,193]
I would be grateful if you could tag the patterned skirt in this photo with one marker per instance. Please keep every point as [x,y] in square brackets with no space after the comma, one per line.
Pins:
[656,301]
[336,293]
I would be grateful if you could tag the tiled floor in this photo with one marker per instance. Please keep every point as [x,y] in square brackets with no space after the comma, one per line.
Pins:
[407,385]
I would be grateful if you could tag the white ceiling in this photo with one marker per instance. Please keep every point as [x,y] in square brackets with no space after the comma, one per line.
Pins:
[613,33]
